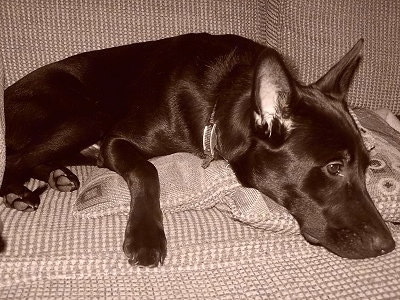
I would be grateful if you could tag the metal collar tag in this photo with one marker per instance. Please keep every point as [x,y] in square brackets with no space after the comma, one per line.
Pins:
[209,144]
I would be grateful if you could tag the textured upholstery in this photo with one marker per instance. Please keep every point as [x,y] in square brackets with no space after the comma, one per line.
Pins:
[57,29]
[55,252]
[315,34]
[2,125]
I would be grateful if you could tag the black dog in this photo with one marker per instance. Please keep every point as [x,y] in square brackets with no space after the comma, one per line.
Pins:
[297,144]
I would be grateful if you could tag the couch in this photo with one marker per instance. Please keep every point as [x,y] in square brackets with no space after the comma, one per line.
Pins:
[224,241]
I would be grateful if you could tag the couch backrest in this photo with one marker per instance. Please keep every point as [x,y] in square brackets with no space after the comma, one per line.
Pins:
[33,33]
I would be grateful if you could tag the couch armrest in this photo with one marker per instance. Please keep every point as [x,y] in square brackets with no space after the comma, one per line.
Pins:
[2,123]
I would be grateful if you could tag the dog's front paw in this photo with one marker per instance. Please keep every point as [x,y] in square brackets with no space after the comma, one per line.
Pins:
[63,180]
[145,244]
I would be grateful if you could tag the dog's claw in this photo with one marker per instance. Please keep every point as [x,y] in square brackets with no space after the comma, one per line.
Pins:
[147,258]
[146,247]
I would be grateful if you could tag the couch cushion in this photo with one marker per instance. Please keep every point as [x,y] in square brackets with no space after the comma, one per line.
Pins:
[51,254]
[315,34]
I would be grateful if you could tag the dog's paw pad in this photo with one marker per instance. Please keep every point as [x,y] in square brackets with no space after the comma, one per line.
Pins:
[146,252]
[63,180]
[26,204]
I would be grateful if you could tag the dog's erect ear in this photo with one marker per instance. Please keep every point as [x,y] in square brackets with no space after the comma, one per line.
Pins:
[271,91]
[337,81]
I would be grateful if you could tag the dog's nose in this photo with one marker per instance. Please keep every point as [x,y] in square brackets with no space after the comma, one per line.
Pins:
[382,244]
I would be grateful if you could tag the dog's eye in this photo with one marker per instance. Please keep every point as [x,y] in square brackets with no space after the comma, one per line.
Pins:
[335,168]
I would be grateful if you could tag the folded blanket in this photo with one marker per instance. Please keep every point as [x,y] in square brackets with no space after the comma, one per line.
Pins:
[185,185]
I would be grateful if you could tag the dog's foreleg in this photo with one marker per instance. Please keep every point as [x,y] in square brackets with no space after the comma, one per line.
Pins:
[145,242]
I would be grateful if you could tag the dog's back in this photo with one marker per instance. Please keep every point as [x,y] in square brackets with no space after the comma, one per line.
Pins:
[171,84]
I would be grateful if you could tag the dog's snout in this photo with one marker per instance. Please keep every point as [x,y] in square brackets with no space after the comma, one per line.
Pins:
[364,241]
[380,239]
[382,244]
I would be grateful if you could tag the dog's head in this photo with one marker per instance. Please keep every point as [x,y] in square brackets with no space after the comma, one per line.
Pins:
[307,153]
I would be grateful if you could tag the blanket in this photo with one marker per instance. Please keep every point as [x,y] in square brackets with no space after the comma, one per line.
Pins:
[185,185]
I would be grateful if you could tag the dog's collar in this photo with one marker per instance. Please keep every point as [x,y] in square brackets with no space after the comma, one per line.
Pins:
[210,140]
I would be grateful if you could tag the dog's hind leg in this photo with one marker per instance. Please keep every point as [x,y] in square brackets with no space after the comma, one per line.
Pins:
[61,178]
[58,177]
[17,196]
[42,159]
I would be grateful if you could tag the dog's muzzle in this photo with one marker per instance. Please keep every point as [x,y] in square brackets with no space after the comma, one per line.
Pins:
[356,242]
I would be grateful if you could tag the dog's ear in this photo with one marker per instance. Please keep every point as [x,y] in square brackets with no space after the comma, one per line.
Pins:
[271,92]
[336,81]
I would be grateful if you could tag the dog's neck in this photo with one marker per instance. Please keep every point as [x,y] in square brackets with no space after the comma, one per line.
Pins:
[230,126]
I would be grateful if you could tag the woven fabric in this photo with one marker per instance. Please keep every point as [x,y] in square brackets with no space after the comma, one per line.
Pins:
[272,18]
[315,34]
[2,123]
[185,185]
[52,254]
[34,33]
[2,131]
[383,176]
